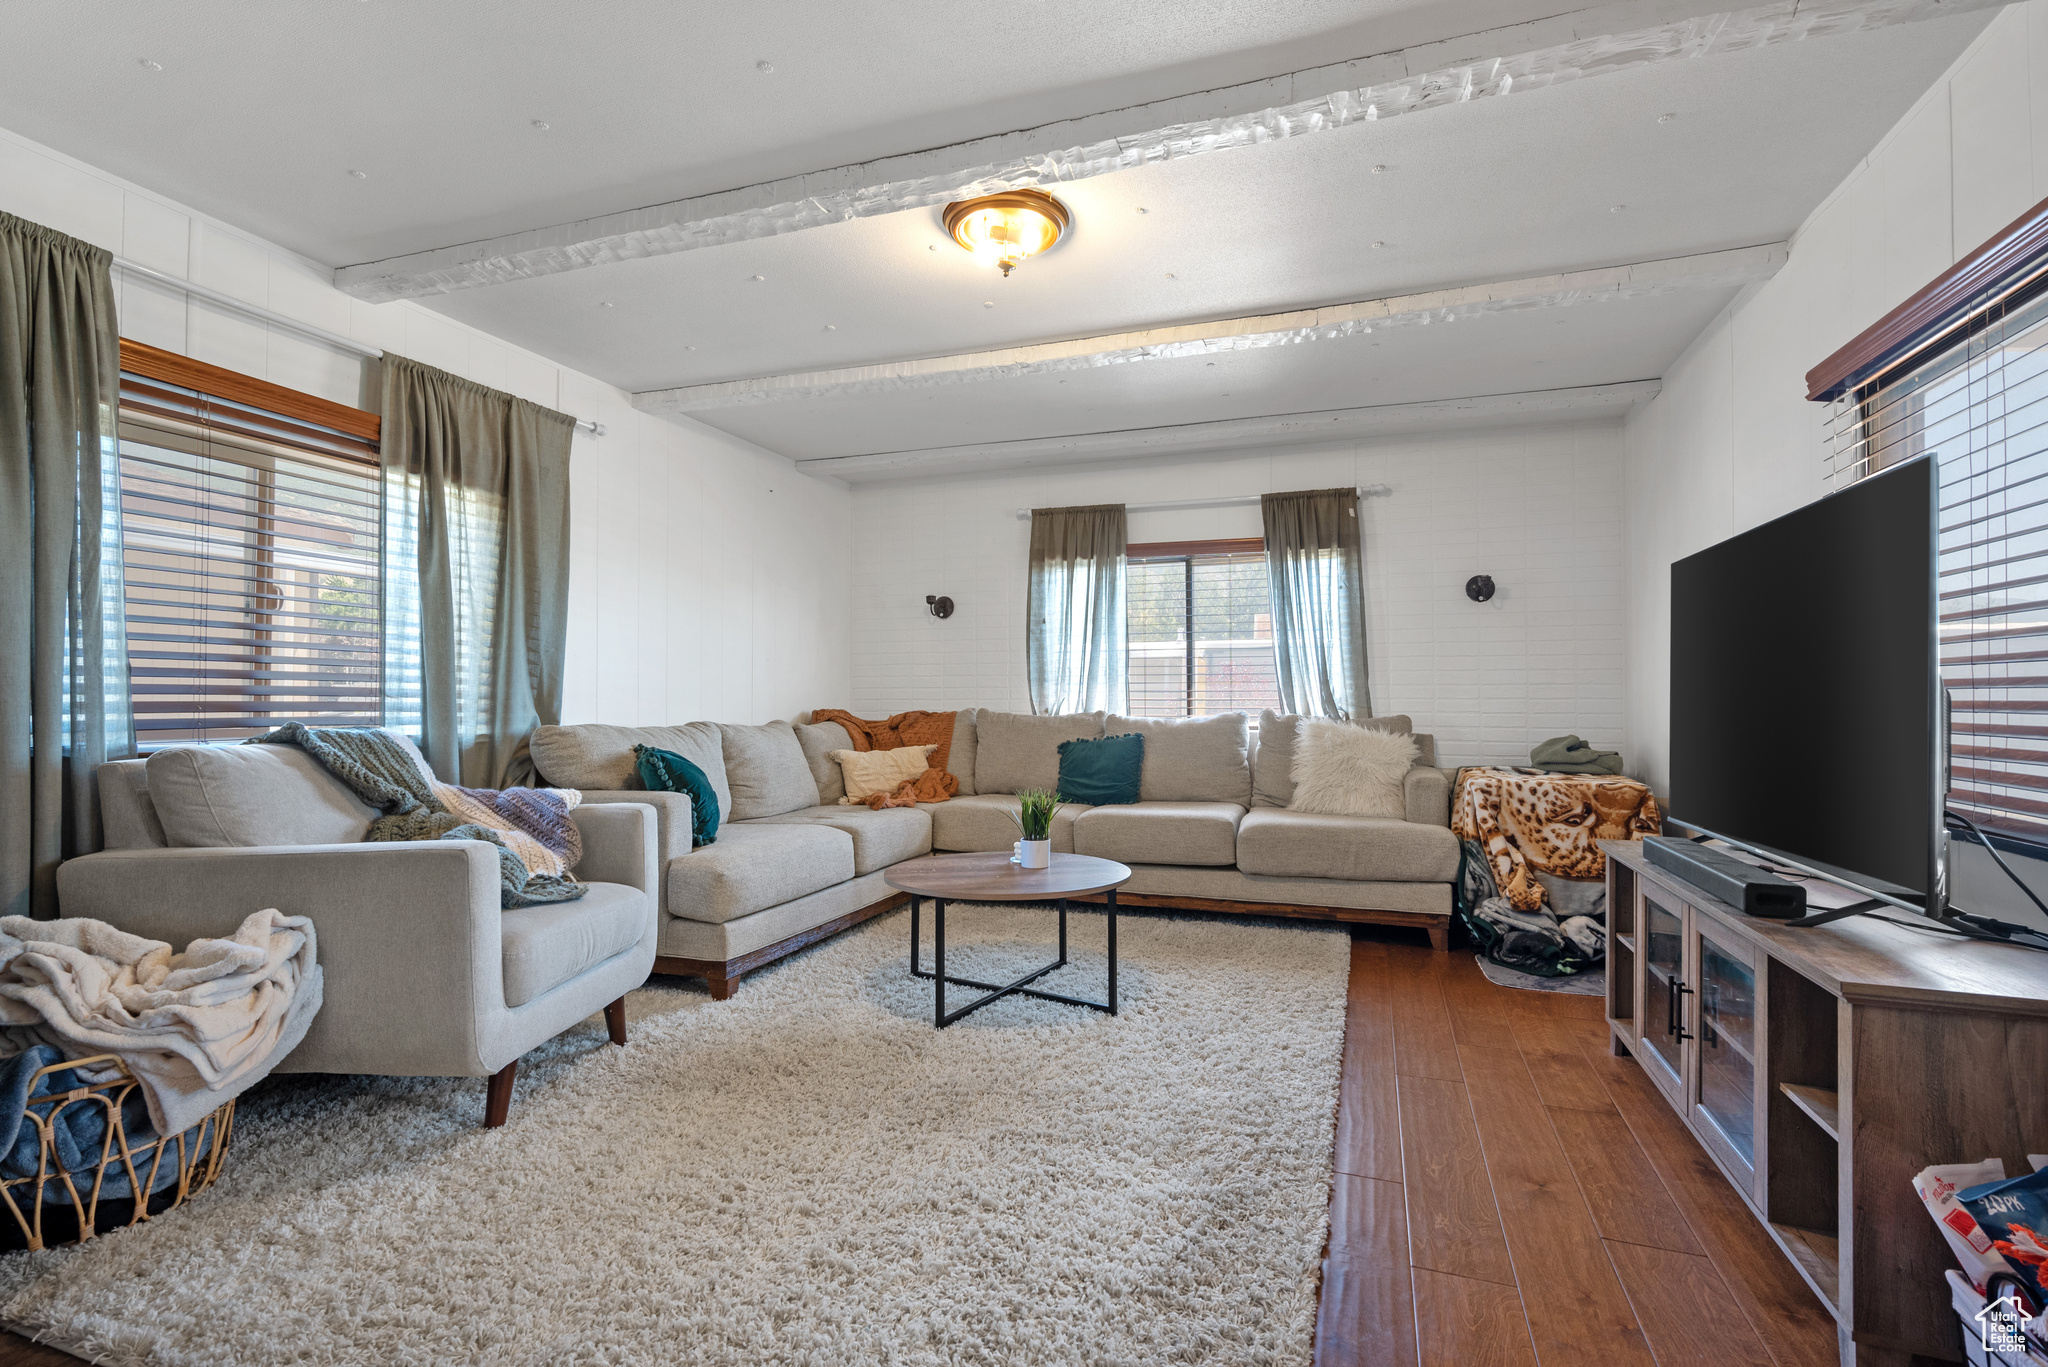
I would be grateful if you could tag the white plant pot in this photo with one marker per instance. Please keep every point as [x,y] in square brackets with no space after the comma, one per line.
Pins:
[1034,854]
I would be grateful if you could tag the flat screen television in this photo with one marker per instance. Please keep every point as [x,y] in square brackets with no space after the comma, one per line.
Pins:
[1806,722]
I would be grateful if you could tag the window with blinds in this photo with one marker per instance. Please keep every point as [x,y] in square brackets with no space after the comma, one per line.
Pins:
[251,555]
[1980,409]
[1200,628]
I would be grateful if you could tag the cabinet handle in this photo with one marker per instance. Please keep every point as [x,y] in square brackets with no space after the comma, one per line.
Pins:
[1678,1030]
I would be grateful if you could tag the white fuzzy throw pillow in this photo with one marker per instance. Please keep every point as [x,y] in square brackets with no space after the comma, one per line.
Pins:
[1346,770]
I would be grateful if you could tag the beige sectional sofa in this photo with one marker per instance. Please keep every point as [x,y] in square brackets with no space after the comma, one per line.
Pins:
[792,865]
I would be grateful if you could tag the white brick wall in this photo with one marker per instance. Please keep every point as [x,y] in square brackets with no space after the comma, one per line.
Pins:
[1538,509]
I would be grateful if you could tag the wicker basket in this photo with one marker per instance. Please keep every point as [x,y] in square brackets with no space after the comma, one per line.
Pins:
[75,1197]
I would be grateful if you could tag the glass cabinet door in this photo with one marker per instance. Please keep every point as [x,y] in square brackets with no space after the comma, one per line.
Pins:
[1663,983]
[1726,1080]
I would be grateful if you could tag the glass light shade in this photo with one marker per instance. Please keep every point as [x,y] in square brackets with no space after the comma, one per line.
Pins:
[1003,229]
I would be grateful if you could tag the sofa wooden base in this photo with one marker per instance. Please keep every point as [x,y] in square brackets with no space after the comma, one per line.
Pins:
[723,977]
[1438,927]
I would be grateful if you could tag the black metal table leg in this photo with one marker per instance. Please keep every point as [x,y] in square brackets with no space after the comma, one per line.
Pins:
[941,1017]
[1112,951]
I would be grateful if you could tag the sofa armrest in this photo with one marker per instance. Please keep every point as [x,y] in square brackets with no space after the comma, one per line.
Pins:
[619,844]
[671,817]
[1427,794]
[408,935]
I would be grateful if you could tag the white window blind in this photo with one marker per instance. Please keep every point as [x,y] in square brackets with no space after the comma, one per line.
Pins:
[253,592]
[1200,629]
[1979,409]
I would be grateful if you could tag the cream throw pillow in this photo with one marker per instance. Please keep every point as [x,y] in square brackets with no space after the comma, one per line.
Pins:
[880,771]
[1346,770]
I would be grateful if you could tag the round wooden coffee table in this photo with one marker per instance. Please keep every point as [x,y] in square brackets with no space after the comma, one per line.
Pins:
[993,878]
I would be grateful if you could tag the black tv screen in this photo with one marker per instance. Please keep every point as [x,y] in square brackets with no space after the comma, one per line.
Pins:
[1802,683]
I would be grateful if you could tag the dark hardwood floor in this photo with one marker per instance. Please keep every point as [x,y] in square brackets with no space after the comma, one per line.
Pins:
[1509,1194]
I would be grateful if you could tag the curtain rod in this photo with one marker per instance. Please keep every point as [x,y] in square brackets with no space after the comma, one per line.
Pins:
[1364,491]
[320,334]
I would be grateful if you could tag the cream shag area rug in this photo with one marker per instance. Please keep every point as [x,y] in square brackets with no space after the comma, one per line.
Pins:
[806,1174]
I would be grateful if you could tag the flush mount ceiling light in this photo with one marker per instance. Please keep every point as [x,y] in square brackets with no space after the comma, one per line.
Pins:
[1002,229]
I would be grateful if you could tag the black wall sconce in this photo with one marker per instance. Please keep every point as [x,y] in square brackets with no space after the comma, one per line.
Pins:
[1479,587]
[941,608]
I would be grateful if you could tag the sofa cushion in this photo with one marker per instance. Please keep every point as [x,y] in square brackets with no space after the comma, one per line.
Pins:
[1161,832]
[864,773]
[546,946]
[1345,770]
[1288,844]
[1108,769]
[961,758]
[1192,759]
[766,770]
[591,756]
[215,796]
[127,820]
[665,771]
[1273,762]
[818,741]
[982,822]
[880,839]
[755,866]
[1015,752]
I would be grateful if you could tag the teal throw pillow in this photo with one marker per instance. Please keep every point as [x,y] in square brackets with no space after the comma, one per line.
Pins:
[1102,772]
[664,771]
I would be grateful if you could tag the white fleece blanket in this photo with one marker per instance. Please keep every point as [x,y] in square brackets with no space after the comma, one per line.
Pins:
[195,1029]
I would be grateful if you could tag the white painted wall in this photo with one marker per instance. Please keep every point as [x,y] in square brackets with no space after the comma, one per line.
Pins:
[1539,509]
[1732,442]
[706,577]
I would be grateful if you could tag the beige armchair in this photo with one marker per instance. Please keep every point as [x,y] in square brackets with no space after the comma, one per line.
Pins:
[425,974]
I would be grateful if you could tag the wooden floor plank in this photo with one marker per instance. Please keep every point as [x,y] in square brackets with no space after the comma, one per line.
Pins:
[1792,1323]
[16,1351]
[1367,1315]
[1479,1014]
[1368,1108]
[1555,1052]
[1453,1225]
[1424,1043]
[1579,1316]
[1619,1183]
[1685,1310]
[1463,1323]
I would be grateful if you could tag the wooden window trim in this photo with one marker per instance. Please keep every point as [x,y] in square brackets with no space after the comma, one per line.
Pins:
[2011,258]
[168,366]
[1167,550]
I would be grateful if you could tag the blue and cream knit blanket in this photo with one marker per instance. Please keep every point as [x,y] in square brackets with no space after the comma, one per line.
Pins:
[537,842]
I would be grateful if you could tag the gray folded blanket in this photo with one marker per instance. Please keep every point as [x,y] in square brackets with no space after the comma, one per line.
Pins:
[537,842]
[1570,755]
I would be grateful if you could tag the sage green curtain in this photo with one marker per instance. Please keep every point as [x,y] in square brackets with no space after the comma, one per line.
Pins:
[1318,588]
[1074,646]
[476,562]
[63,669]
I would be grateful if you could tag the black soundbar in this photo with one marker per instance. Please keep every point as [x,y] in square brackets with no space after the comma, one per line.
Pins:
[1758,892]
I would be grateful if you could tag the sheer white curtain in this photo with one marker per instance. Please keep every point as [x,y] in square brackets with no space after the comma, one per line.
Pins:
[1313,572]
[1074,648]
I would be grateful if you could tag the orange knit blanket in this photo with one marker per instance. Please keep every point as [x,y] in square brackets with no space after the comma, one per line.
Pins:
[905,728]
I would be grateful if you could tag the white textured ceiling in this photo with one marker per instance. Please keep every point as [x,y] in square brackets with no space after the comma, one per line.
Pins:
[1495,190]
[1586,344]
[261,109]
[263,106]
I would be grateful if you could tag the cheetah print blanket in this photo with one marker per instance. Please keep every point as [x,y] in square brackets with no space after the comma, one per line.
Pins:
[1528,820]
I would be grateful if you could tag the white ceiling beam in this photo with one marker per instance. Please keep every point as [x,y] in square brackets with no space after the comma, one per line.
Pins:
[1236,434]
[1711,270]
[1498,62]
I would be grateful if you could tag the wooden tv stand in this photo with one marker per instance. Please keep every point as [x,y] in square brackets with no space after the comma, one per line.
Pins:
[1822,1068]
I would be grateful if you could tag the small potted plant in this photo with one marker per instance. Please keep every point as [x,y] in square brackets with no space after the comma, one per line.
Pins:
[1033,819]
